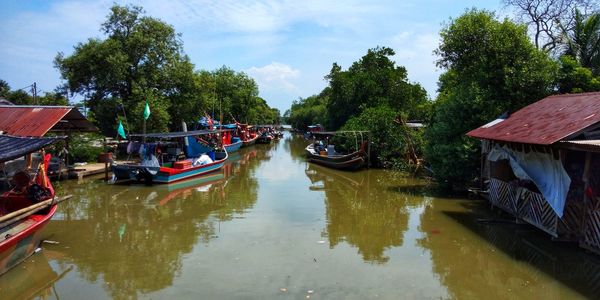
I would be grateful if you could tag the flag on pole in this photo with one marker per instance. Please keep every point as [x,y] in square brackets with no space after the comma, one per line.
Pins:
[121,130]
[146,111]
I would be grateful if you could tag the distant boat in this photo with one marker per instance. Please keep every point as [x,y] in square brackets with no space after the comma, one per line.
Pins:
[264,138]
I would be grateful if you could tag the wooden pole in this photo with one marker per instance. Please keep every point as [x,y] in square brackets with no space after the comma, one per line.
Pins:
[105,161]
[30,210]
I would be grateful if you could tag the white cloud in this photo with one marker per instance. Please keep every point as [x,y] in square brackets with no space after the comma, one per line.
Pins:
[275,76]
[414,50]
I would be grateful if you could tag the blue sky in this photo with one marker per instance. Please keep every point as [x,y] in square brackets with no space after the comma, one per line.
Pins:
[286,46]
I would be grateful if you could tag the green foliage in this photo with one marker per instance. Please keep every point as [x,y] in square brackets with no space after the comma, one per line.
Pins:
[85,147]
[308,111]
[389,140]
[20,97]
[574,78]
[492,67]
[4,88]
[372,81]
[582,41]
[141,60]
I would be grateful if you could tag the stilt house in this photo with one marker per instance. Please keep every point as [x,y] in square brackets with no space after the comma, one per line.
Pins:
[542,165]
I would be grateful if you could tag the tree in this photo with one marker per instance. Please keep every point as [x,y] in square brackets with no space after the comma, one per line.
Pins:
[544,16]
[372,81]
[573,78]
[140,60]
[491,67]
[4,88]
[390,141]
[582,41]
[308,111]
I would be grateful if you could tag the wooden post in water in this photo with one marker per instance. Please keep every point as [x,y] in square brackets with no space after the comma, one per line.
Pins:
[105,161]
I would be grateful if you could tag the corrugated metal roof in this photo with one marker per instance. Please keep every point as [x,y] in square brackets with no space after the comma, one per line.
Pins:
[22,120]
[581,145]
[12,147]
[545,122]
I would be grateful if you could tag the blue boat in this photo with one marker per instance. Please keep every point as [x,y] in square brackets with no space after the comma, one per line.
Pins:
[150,171]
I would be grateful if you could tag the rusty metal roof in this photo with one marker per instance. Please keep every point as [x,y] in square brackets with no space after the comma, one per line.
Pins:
[24,120]
[545,122]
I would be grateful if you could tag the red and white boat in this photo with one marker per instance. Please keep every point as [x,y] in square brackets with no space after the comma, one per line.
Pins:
[28,206]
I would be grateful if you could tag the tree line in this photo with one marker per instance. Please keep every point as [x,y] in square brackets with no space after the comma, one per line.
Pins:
[491,66]
[141,60]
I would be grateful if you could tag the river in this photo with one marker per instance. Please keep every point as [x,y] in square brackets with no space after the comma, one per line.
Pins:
[271,226]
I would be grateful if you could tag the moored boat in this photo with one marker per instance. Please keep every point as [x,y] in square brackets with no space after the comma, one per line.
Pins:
[351,161]
[198,159]
[264,138]
[28,206]
[320,151]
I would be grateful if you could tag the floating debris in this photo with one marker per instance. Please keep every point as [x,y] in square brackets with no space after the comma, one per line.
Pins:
[283,290]
[310,291]
[321,242]
[50,242]
[38,249]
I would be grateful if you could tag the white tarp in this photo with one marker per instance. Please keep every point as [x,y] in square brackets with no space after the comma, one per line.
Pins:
[542,169]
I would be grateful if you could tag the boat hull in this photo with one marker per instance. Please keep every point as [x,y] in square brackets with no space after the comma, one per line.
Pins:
[137,173]
[249,142]
[233,147]
[350,162]
[19,246]
[349,165]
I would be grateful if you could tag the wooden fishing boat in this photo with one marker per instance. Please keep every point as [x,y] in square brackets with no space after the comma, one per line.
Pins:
[351,161]
[264,138]
[247,134]
[233,146]
[249,142]
[28,206]
[189,166]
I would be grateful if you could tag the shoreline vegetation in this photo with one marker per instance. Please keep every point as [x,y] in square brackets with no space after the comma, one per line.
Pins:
[490,65]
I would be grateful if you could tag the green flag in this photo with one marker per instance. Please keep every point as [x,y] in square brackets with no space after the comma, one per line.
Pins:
[121,130]
[146,111]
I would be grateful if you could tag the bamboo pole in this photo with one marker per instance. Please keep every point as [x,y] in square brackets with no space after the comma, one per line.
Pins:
[30,210]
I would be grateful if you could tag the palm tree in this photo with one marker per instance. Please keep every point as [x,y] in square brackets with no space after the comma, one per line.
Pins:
[582,41]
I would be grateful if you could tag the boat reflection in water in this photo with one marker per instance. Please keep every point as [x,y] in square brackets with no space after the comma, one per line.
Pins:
[362,210]
[138,235]
[34,278]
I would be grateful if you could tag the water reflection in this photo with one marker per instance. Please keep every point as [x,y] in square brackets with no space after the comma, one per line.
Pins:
[363,210]
[138,235]
[493,258]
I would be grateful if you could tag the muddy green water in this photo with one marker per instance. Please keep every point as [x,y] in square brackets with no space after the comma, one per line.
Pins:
[271,226]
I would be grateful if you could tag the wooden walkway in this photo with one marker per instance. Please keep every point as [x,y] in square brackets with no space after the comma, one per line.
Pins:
[78,172]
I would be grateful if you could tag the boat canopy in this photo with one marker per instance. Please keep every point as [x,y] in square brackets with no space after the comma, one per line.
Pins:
[204,122]
[170,135]
[12,147]
[229,126]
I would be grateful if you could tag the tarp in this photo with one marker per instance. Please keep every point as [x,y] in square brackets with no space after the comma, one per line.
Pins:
[195,149]
[542,169]
[12,147]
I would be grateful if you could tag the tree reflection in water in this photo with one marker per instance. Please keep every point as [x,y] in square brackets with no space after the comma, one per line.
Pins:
[137,235]
[461,250]
[363,210]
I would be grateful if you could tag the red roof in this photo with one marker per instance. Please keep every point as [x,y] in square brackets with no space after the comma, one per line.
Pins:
[545,122]
[37,120]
